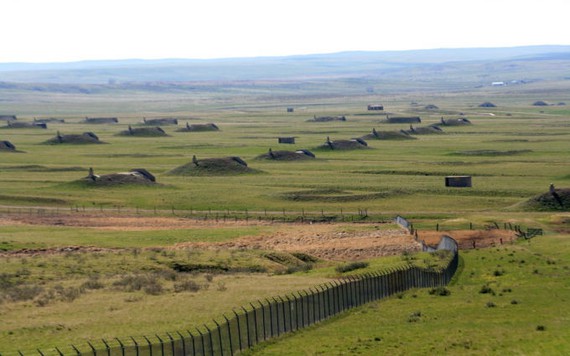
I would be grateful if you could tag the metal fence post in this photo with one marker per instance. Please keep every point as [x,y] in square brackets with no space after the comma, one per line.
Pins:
[310,307]
[161,344]
[262,318]
[346,292]
[270,318]
[297,309]
[93,348]
[122,346]
[219,338]
[302,310]
[136,346]
[255,323]
[325,310]
[283,314]
[229,335]
[316,304]
[247,327]
[239,330]
[211,341]
[107,347]
[336,296]
[183,343]
[277,324]
[149,345]
[193,342]
[202,342]
[171,342]
[290,308]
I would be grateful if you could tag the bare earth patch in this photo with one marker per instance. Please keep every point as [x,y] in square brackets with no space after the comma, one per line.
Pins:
[470,238]
[331,241]
[326,241]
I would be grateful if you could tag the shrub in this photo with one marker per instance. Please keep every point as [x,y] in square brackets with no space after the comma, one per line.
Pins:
[351,267]
[540,328]
[131,283]
[490,305]
[441,291]
[301,268]
[486,290]
[22,293]
[69,294]
[305,257]
[168,274]
[221,286]
[153,288]
[93,283]
[414,317]
[186,286]
[498,272]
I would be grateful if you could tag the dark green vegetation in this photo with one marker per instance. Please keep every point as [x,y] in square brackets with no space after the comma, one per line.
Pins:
[513,150]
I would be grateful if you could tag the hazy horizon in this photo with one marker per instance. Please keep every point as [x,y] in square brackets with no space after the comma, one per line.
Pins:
[62,31]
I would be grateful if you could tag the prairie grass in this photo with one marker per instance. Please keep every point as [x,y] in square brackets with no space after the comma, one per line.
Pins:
[513,151]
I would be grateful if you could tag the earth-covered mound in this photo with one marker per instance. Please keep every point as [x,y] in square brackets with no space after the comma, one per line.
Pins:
[225,166]
[352,144]
[7,146]
[25,125]
[287,155]
[402,120]
[388,135]
[83,139]
[461,121]
[327,118]
[199,128]
[101,120]
[554,200]
[160,121]
[426,130]
[143,132]
[134,176]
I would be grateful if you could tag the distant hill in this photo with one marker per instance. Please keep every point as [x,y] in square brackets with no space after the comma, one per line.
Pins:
[387,64]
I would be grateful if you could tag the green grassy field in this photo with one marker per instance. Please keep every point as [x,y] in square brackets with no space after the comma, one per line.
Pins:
[512,156]
[511,300]
[513,152]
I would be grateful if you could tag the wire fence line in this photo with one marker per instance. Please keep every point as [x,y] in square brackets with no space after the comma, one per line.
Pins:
[261,320]
[286,215]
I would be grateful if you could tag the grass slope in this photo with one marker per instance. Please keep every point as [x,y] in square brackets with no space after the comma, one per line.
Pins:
[512,299]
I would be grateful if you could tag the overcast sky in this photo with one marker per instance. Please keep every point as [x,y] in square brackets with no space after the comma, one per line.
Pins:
[71,30]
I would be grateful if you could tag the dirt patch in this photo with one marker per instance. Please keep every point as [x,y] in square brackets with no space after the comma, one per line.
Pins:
[470,238]
[331,242]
